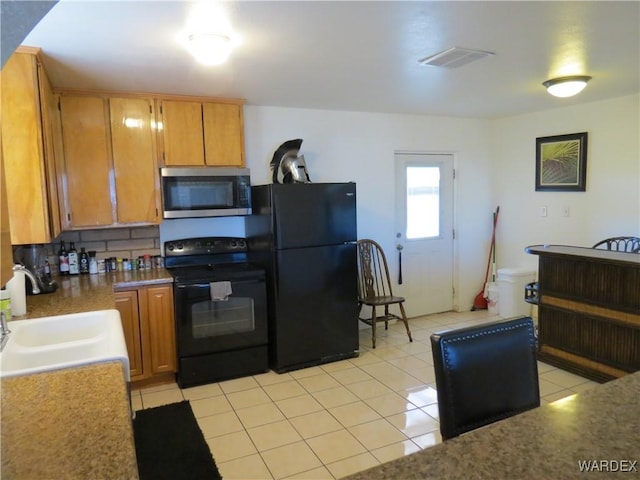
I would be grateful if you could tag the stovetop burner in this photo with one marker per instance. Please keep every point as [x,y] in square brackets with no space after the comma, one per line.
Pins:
[208,259]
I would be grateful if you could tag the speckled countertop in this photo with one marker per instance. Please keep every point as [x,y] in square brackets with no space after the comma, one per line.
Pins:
[69,424]
[72,423]
[85,293]
[601,424]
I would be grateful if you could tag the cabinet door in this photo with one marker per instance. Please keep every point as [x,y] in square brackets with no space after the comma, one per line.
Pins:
[87,164]
[161,327]
[182,133]
[134,160]
[127,305]
[23,152]
[223,134]
[52,143]
[6,252]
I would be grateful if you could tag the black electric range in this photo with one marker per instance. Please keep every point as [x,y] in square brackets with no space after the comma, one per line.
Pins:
[220,309]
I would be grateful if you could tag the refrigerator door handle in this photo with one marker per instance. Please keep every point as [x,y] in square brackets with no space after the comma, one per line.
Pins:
[276,279]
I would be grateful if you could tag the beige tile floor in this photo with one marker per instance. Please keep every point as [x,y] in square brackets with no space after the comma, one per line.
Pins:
[332,420]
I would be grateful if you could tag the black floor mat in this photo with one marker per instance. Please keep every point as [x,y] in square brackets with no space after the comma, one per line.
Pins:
[170,445]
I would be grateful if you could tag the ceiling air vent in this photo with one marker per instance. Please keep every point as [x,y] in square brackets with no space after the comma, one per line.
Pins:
[454,57]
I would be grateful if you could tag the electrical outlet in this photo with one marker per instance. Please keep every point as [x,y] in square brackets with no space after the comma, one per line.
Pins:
[543,211]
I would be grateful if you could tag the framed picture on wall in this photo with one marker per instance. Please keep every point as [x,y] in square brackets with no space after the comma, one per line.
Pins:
[561,163]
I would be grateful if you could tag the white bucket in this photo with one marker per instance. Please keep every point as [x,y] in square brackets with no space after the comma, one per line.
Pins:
[493,294]
[512,283]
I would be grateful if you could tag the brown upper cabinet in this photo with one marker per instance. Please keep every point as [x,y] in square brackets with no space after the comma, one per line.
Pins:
[198,133]
[134,160]
[86,170]
[79,159]
[6,252]
[29,134]
[108,176]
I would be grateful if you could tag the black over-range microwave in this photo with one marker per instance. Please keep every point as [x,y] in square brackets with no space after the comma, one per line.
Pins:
[205,192]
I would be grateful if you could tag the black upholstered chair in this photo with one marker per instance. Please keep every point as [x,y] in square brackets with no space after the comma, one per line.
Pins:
[620,244]
[485,373]
[374,288]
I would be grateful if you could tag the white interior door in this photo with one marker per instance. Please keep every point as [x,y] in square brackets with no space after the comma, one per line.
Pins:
[424,232]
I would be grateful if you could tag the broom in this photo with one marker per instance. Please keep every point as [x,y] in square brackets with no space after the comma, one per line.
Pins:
[480,301]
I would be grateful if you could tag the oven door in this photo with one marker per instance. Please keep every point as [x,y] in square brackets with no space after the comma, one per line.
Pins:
[207,326]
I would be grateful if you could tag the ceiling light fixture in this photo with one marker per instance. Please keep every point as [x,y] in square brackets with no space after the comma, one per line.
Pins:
[209,48]
[566,86]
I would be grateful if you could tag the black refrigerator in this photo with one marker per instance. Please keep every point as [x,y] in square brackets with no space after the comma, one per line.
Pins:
[303,235]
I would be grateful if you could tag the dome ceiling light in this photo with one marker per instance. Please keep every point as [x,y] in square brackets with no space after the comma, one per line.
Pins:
[208,34]
[209,48]
[566,86]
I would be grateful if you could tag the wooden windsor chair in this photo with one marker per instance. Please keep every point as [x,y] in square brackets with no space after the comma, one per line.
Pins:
[374,288]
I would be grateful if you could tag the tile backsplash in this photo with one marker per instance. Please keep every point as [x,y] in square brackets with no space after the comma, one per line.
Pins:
[110,242]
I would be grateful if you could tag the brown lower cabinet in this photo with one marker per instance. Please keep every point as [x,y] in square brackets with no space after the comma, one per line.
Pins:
[149,330]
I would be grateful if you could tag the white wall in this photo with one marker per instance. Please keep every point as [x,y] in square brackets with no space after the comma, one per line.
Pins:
[495,163]
[609,207]
[355,146]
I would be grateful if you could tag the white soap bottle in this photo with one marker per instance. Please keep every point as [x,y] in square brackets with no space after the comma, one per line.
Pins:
[16,288]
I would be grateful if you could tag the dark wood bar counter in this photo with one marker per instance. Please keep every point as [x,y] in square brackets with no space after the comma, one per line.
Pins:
[589,310]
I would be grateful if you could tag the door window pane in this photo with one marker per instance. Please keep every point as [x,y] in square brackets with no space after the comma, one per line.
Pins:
[423,202]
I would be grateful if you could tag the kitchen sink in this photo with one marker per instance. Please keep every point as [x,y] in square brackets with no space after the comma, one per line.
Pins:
[64,341]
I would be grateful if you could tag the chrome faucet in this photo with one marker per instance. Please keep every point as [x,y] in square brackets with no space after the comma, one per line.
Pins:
[4,331]
[35,289]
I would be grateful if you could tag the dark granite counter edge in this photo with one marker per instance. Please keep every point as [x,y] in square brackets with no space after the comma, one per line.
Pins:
[85,293]
[592,254]
[548,442]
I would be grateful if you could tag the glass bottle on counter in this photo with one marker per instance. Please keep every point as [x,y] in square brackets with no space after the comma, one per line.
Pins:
[84,261]
[93,263]
[74,268]
[47,270]
[63,260]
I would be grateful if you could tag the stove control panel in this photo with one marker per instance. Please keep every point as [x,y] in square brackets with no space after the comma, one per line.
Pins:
[204,246]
